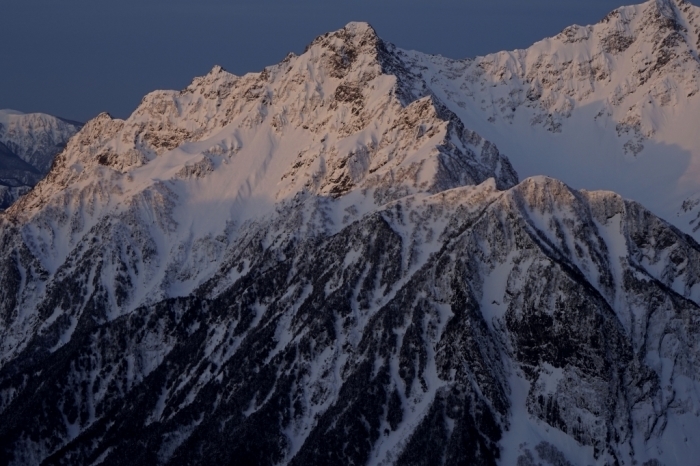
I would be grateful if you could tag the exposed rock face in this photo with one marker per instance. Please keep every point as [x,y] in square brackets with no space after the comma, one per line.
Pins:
[28,145]
[320,264]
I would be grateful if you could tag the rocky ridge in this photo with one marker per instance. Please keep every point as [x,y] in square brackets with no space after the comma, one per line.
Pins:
[608,106]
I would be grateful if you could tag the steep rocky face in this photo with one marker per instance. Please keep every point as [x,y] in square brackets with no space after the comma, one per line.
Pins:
[321,264]
[470,325]
[28,145]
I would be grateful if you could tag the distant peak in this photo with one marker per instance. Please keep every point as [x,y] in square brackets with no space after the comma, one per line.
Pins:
[360,34]
[7,115]
[217,69]
[359,28]
[355,34]
[9,111]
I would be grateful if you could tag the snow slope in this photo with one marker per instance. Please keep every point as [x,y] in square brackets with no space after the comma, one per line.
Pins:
[610,106]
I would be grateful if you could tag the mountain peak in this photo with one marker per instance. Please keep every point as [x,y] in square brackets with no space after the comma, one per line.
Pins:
[360,29]
[348,113]
[355,37]
[216,70]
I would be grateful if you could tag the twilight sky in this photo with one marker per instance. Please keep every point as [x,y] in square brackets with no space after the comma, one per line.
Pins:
[77,58]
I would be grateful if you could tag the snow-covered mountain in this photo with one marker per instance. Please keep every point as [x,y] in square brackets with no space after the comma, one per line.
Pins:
[324,263]
[611,106]
[28,145]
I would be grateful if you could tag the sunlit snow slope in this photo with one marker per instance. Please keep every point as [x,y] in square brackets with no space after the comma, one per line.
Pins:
[611,106]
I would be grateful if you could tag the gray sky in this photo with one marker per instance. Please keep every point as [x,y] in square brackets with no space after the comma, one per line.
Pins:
[77,58]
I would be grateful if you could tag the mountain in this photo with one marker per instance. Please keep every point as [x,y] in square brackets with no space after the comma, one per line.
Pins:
[325,263]
[611,106]
[28,145]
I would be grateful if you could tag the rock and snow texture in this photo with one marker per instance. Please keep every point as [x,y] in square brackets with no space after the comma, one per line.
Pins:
[324,263]
[28,145]
[612,106]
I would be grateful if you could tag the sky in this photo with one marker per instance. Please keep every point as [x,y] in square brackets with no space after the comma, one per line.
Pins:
[77,58]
